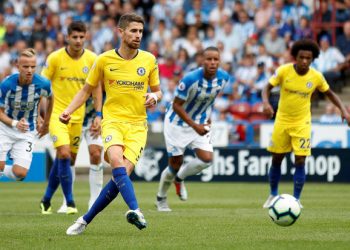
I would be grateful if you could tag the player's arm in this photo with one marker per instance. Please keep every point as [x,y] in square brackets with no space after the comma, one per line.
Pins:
[22,125]
[266,92]
[154,96]
[95,128]
[201,129]
[44,127]
[77,102]
[334,98]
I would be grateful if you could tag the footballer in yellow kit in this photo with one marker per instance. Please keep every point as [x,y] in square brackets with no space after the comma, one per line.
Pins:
[292,128]
[126,83]
[68,76]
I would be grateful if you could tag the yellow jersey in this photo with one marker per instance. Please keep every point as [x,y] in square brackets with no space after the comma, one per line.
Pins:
[67,77]
[294,105]
[125,83]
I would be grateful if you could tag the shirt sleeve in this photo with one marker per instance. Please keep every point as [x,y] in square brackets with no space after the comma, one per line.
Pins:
[276,78]
[183,89]
[96,72]
[3,91]
[323,86]
[154,74]
[49,68]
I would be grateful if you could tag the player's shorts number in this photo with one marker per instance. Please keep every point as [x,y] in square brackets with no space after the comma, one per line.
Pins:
[76,141]
[30,147]
[305,143]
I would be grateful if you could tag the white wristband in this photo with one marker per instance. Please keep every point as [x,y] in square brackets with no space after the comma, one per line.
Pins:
[154,96]
[14,123]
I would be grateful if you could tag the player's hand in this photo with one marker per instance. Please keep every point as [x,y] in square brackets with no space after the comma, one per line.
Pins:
[65,117]
[201,129]
[268,110]
[346,117]
[43,129]
[150,100]
[22,125]
[95,129]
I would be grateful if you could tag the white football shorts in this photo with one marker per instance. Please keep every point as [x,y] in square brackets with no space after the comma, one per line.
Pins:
[178,138]
[19,144]
[89,139]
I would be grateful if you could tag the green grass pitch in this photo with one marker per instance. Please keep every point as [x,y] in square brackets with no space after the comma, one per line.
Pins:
[216,216]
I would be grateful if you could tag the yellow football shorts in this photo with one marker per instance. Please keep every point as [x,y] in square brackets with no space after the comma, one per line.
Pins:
[62,134]
[287,138]
[132,136]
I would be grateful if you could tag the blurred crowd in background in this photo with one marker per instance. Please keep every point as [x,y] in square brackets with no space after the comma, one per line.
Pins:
[254,38]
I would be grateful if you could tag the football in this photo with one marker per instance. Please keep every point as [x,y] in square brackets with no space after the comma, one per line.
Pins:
[284,210]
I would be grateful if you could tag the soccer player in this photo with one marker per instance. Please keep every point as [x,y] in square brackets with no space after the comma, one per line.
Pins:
[67,68]
[292,127]
[187,124]
[126,73]
[20,94]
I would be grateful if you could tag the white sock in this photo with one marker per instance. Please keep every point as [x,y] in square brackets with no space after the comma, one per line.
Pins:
[192,168]
[9,173]
[96,182]
[166,179]
[64,202]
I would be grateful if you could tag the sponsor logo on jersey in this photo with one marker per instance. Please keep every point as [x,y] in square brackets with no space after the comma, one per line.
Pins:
[141,71]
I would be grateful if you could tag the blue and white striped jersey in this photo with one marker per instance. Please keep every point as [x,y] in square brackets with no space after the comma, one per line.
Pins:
[199,95]
[89,112]
[22,101]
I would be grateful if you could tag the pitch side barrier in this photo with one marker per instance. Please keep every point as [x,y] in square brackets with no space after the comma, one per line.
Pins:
[251,165]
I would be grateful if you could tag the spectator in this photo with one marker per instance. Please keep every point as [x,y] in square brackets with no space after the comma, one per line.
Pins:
[27,23]
[275,45]
[2,28]
[263,15]
[331,115]
[12,34]
[343,41]
[303,29]
[39,32]
[330,62]
[196,10]
[220,10]
[100,34]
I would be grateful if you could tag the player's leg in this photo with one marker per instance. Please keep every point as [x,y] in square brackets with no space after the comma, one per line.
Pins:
[95,172]
[95,147]
[203,160]
[280,144]
[204,152]
[22,154]
[166,178]
[299,176]
[274,177]
[301,142]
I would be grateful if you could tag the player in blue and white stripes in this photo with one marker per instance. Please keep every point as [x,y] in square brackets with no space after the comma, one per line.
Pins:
[20,94]
[187,124]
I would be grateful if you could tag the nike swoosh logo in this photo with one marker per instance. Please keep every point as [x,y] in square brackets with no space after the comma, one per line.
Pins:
[63,68]
[113,69]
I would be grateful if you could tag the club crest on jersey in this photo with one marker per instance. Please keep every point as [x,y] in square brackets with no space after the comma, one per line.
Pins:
[108,138]
[85,70]
[141,71]
[54,138]
[309,85]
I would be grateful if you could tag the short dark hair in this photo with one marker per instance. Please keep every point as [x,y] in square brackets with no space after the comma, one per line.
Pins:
[211,48]
[76,26]
[128,18]
[305,44]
